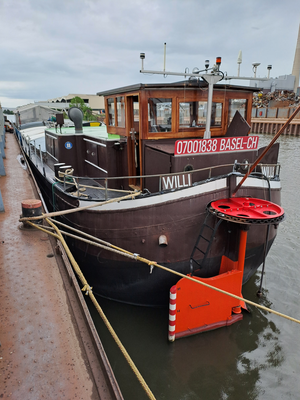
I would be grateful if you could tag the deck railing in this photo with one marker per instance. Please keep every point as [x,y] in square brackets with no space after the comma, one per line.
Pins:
[190,178]
[266,171]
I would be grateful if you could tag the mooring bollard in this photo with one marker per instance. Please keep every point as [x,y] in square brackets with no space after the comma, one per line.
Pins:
[31,208]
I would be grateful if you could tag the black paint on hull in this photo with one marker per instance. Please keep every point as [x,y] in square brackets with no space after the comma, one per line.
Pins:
[131,282]
[116,278]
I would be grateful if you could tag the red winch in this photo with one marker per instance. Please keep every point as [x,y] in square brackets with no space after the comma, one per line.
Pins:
[196,308]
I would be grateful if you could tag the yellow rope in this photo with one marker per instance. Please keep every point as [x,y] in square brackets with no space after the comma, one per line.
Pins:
[107,246]
[88,291]
[72,210]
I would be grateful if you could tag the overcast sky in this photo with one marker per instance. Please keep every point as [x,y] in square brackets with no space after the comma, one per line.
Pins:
[52,48]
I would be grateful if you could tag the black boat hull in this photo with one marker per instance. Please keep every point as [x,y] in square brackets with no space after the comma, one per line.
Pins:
[134,283]
[137,229]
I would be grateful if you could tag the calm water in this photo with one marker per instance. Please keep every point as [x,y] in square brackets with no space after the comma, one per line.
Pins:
[256,358]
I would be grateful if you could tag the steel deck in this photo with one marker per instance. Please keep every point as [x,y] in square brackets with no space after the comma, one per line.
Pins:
[49,348]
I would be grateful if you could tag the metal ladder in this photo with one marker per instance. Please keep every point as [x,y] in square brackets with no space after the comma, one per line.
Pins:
[206,236]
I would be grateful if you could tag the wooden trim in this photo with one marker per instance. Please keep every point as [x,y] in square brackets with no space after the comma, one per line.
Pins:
[143,115]
[141,119]
[193,133]
[177,96]
[106,111]
[130,154]
[115,130]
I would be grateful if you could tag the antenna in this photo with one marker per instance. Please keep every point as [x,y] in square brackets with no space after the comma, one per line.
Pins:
[165,51]
[239,61]
[269,67]
[142,57]
[255,65]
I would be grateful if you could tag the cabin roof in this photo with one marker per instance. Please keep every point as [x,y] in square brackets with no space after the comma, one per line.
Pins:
[96,132]
[187,84]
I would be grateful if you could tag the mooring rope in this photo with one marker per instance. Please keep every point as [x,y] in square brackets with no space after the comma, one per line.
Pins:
[118,250]
[73,210]
[110,247]
[88,291]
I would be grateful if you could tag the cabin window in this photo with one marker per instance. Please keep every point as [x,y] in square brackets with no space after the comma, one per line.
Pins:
[239,105]
[216,114]
[121,111]
[136,110]
[160,115]
[192,114]
[111,112]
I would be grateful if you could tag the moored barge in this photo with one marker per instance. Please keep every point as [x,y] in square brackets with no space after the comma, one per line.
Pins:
[154,143]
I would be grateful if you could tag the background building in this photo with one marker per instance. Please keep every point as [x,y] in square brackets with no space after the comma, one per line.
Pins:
[96,103]
[44,110]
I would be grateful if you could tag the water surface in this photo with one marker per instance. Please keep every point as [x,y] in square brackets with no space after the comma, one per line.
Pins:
[256,358]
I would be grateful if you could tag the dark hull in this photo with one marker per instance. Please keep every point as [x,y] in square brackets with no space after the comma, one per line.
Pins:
[137,230]
[132,282]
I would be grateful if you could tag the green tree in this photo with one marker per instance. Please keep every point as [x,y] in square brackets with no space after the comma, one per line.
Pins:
[87,111]
[77,102]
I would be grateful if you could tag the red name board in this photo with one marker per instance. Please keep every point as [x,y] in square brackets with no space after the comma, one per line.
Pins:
[200,146]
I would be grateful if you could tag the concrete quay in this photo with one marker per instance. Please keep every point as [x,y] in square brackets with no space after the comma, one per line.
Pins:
[49,346]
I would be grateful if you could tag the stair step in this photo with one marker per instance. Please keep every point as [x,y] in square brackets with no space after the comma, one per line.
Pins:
[208,241]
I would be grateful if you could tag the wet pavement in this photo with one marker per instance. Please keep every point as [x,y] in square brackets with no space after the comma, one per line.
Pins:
[43,354]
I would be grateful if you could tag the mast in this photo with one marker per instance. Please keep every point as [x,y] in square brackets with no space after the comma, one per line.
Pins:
[212,77]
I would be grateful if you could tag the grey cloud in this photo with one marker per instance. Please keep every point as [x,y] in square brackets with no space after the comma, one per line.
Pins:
[57,47]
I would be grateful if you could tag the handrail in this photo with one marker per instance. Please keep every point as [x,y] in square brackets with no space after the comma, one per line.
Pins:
[167,174]
[159,176]
[76,179]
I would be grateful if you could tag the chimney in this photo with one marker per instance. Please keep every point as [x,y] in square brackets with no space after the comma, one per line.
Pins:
[296,66]
[75,114]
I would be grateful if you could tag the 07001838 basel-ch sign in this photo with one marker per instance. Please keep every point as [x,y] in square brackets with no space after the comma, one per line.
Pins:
[198,146]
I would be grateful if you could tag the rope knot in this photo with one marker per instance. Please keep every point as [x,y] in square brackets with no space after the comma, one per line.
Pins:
[151,264]
[86,288]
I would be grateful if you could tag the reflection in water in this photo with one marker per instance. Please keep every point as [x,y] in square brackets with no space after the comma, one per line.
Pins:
[226,363]
[256,358]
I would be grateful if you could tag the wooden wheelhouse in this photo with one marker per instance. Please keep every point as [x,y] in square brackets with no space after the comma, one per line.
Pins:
[151,117]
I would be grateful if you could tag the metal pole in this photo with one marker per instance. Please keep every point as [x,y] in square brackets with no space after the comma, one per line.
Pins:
[259,292]
[105,189]
[41,157]
[35,153]
[211,80]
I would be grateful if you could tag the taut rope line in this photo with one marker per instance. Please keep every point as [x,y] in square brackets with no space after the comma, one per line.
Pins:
[73,210]
[88,291]
[107,246]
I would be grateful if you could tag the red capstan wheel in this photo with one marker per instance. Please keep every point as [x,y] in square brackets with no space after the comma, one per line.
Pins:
[247,210]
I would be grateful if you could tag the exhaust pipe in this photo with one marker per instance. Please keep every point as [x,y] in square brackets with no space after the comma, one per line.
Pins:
[76,115]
